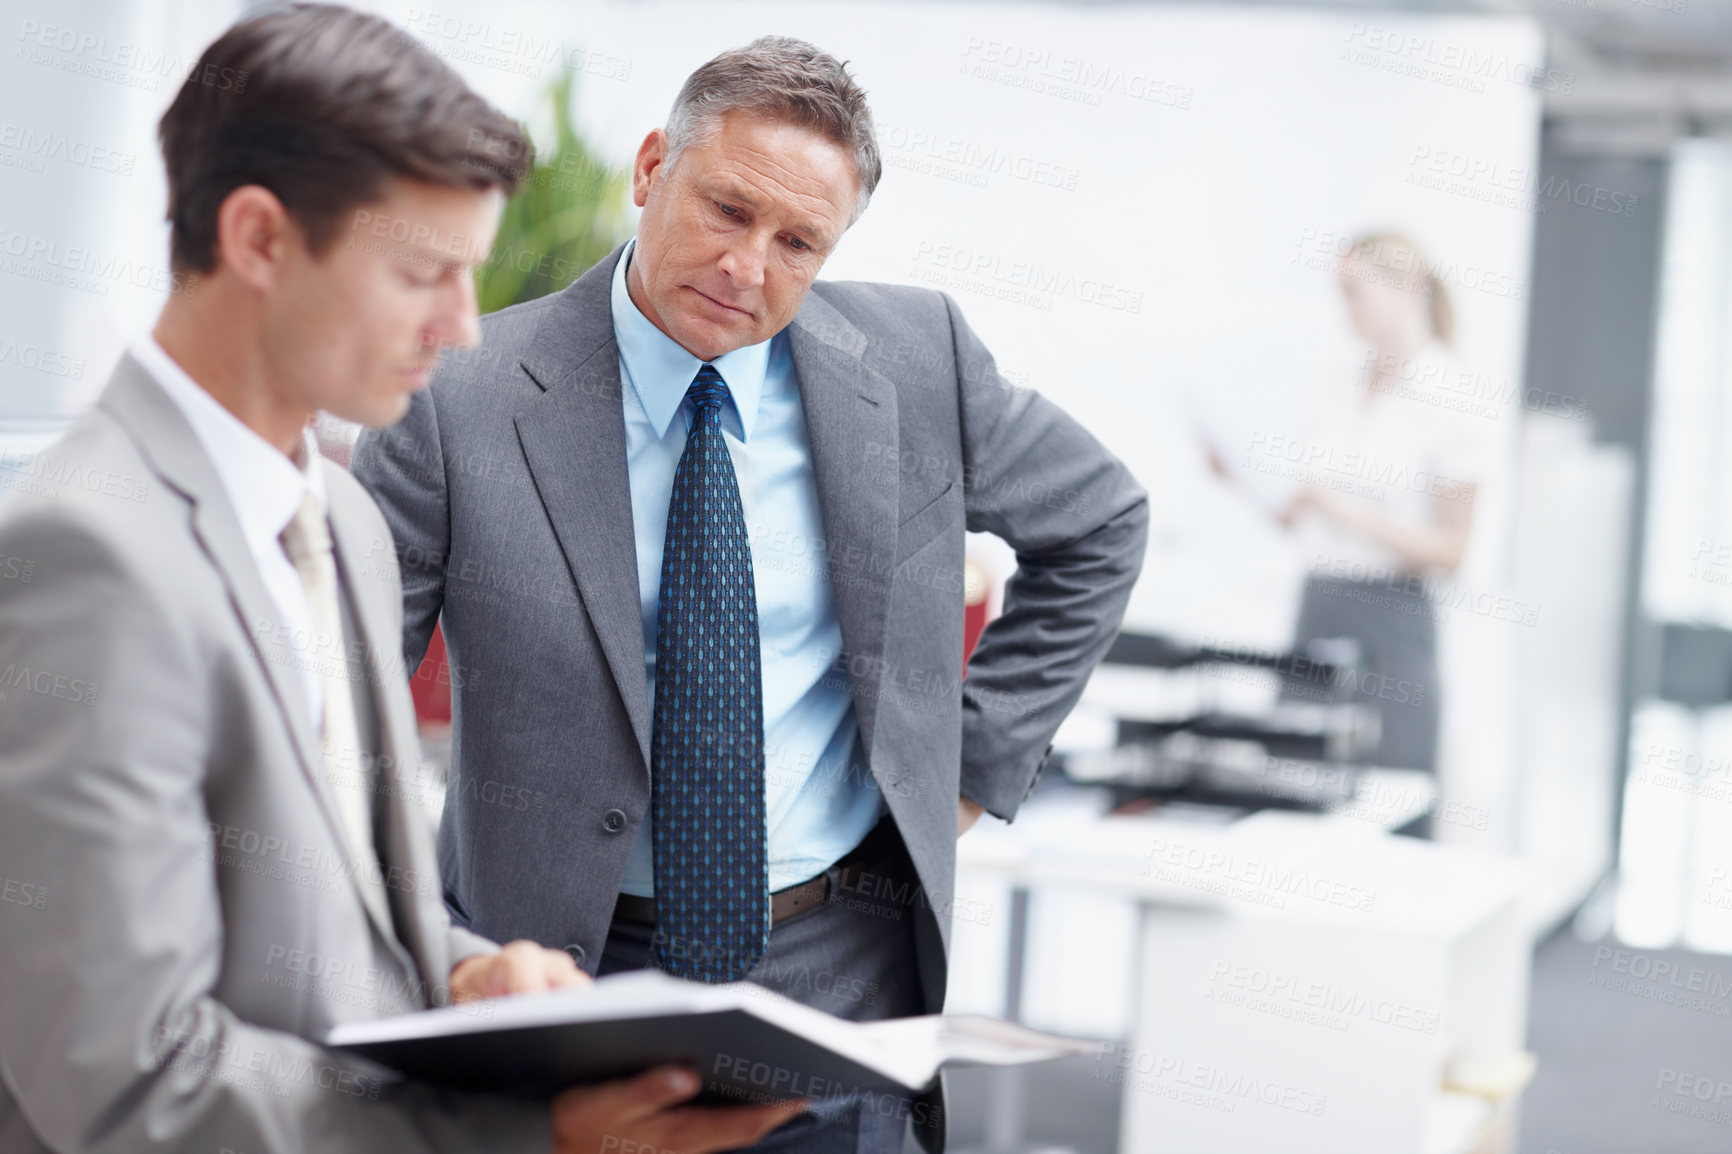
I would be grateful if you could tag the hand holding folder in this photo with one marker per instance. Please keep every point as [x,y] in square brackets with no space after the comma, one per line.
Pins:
[747,1044]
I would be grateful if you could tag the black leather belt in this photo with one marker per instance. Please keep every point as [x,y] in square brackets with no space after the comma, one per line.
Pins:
[785,904]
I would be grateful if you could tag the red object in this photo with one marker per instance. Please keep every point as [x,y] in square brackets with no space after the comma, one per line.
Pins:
[977,600]
[431,685]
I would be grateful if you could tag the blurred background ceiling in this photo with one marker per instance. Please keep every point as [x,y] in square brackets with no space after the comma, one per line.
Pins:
[1646,72]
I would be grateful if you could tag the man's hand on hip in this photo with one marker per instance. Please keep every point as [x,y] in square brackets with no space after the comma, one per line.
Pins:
[522,967]
[967,813]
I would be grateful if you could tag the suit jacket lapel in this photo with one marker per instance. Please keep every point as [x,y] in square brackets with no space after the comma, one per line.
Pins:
[174,451]
[851,410]
[573,439]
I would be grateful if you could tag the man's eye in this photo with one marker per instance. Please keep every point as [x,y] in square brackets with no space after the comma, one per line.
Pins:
[798,244]
[727,209]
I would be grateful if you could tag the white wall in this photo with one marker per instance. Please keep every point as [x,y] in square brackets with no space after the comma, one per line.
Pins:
[1195,161]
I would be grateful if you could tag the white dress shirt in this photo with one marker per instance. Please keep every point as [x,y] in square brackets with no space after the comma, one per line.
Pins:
[265,488]
[1393,451]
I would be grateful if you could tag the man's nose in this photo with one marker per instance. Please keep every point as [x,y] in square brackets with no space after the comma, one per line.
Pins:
[743,261]
[457,323]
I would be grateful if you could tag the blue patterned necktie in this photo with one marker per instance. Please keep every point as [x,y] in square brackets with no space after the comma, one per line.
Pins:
[707,750]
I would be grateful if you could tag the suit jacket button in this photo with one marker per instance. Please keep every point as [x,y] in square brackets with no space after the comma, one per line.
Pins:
[577,953]
[613,820]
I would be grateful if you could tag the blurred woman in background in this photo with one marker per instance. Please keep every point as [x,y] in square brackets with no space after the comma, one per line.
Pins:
[1389,507]
[1387,474]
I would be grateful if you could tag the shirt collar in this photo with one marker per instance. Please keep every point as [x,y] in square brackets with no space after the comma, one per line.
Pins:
[265,487]
[660,371]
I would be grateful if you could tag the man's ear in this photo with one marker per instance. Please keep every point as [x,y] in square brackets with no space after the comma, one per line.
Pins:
[253,233]
[652,155]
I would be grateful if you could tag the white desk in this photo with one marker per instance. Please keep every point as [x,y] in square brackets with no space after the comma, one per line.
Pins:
[1285,982]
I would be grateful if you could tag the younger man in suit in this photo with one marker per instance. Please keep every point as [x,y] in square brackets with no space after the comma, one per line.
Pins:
[208,763]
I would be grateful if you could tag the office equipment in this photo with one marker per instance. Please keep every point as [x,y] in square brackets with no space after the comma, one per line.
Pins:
[1292,754]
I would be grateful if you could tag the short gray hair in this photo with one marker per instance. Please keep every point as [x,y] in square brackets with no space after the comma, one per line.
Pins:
[790,80]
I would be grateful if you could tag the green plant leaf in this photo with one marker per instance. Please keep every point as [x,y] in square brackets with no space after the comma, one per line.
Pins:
[569,213]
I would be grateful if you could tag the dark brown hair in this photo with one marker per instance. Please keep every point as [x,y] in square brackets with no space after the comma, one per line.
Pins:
[322,105]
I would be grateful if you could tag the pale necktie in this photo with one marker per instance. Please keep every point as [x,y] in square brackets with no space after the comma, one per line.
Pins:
[308,542]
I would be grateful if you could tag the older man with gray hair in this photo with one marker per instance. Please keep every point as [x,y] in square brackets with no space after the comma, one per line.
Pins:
[695,529]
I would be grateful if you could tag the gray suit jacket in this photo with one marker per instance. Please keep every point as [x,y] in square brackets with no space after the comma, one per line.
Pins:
[181,918]
[507,492]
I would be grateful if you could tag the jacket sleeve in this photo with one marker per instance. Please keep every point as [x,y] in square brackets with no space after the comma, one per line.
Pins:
[467,944]
[111,1037]
[1078,521]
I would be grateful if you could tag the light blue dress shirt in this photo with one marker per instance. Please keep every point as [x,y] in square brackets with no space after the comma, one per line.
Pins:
[819,797]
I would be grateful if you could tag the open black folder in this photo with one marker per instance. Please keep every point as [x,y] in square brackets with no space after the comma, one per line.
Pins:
[746,1043]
